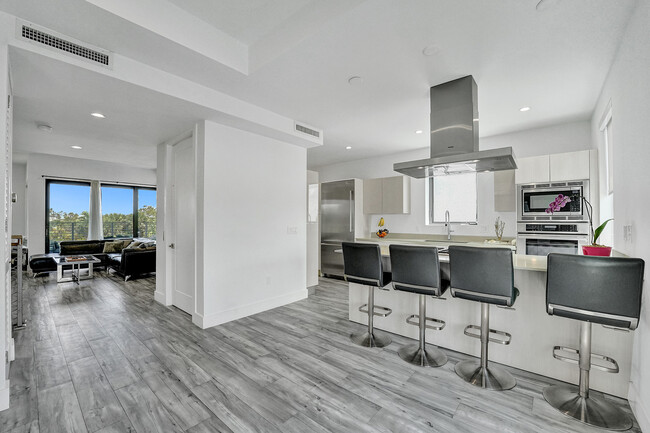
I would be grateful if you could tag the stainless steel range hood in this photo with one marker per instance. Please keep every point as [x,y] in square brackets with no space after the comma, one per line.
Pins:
[454,135]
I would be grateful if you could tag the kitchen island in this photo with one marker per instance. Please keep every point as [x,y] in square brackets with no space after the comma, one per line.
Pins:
[534,332]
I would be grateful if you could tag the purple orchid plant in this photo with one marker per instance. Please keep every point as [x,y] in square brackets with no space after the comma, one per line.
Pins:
[562,200]
[559,202]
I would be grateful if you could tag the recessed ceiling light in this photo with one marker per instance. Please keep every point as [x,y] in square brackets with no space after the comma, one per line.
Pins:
[98,115]
[419,131]
[348,147]
[524,109]
[76,147]
[44,127]
[355,81]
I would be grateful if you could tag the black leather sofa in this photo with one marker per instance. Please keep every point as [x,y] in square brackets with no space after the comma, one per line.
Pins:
[42,263]
[133,262]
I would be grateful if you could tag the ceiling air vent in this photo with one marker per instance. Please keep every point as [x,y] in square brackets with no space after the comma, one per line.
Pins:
[307,130]
[61,43]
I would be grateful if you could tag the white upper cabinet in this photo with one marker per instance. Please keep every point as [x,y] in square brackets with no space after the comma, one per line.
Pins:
[387,195]
[372,196]
[569,166]
[558,167]
[534,169]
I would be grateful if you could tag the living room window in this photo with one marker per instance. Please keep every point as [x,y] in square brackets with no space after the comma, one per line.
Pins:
[117,211]
[67,206]
[127,212]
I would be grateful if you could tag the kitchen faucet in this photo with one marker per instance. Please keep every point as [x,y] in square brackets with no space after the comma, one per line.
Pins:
[448,225]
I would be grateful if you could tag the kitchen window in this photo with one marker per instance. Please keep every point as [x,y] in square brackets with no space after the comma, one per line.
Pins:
[455,193]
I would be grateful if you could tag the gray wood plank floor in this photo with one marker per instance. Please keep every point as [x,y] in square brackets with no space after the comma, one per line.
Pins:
[104,357]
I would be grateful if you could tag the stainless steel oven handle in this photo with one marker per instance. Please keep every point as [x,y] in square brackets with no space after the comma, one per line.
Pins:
[569,236]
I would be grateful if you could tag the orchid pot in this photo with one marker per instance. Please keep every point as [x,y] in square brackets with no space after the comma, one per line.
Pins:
[588,250]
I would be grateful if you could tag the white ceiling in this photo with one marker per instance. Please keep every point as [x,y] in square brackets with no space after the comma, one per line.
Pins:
[245,20]
[554,61]
[63,96]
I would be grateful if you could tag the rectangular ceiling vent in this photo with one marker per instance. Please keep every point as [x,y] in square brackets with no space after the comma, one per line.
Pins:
[307,130]
[62,43]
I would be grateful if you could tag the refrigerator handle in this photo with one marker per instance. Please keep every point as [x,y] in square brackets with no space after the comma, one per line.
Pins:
[351,208]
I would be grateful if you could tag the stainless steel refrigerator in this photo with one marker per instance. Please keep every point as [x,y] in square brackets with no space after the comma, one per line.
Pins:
[337,222]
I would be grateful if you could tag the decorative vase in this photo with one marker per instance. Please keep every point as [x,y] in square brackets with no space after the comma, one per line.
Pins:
[596,250]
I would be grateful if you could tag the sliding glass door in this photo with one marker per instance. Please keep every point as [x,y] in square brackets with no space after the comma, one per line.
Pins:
[117,211]
[128,211]
[146,216]
[67,205]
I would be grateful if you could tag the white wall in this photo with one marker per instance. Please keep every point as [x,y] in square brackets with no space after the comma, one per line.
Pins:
[254,195]
[553,139]
[628,88]
[39,165]
[19,186]
[251,224]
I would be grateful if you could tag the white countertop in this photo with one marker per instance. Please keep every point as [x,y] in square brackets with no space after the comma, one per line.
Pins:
[521,262]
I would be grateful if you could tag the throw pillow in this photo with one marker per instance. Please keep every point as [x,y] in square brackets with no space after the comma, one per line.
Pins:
[134,244]
[113,247]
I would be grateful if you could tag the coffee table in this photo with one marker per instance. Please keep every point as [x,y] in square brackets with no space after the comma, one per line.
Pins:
[75,262]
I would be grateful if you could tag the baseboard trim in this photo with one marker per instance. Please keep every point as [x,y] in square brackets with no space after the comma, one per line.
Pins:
[638,407]
[4,396]
[248,310]
[160,298]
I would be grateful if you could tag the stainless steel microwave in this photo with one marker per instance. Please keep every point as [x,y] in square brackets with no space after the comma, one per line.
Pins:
[534,199]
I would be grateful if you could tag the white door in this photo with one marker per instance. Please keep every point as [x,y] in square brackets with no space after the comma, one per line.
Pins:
[183,225]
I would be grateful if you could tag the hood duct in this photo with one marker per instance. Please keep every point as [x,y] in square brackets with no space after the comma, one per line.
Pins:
[454,136]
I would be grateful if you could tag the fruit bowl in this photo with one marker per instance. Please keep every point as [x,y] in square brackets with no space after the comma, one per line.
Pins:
[382,233]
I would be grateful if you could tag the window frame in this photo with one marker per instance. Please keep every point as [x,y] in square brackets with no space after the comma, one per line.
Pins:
[429,201]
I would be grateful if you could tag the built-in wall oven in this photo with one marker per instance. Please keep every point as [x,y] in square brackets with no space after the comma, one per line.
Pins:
[542,239]
[565,231]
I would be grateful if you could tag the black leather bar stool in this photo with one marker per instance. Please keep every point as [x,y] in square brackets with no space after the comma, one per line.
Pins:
[417,270]
[484,275]
[362,265]
[605,290]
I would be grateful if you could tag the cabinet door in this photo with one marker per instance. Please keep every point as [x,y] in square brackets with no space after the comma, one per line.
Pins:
[569,166]
[532,170]
[396,195]
[372,196]
[504,191]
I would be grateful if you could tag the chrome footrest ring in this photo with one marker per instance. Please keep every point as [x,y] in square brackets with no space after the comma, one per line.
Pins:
[436,323]
[505,341]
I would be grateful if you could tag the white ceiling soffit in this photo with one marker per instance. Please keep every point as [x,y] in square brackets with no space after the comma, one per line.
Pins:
[170,21]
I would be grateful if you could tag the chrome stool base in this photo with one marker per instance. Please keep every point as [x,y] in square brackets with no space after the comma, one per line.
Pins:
[413,354]
[589,410]
[366,339]
[488,377]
